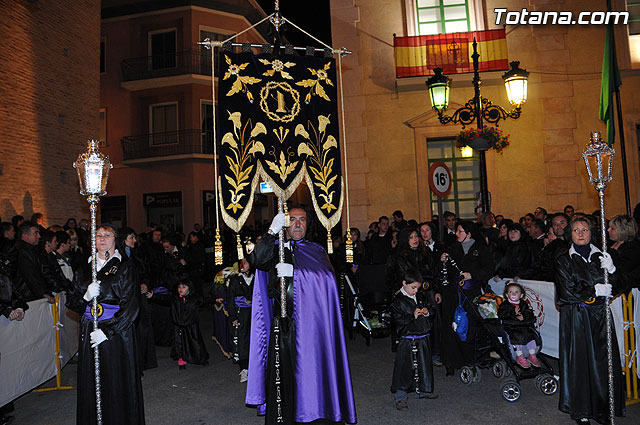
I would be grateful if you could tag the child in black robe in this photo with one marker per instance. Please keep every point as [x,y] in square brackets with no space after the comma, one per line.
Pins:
[240,293]
[413,368]
[518,321]
[188,345]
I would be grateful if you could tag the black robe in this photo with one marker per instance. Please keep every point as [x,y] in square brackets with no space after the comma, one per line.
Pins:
[239,288]
[406,325]
[122,402]
[583,341]
[627,261]
[514,260]
[144,323]
[188,342]
[520,331]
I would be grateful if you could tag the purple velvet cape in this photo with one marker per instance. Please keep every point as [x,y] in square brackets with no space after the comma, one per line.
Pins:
[322,387]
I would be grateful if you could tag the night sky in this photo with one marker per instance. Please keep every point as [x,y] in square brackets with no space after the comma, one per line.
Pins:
[310,15]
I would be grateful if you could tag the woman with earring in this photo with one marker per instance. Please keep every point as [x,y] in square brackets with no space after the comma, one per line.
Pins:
[118,295]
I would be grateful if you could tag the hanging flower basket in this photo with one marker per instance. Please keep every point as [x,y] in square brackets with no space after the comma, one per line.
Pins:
[483,139]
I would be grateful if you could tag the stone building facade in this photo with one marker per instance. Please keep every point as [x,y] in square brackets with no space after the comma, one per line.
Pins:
[389,121]
[49,102]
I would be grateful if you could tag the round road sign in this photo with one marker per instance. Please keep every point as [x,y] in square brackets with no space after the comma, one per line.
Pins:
[440,179]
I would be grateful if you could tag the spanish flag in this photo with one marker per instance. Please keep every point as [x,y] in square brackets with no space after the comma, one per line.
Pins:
[419,55]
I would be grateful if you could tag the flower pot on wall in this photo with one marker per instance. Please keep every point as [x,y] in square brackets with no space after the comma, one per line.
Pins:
[479,144]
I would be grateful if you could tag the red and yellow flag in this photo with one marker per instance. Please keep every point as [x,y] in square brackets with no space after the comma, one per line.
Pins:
[419,55]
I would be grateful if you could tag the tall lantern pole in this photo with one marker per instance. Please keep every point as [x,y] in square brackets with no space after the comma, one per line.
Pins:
[93,172]
[595,154]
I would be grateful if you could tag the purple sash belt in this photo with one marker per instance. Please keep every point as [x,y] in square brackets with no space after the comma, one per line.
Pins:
[105,311]
[471,284]
[242,302]
[415,336]
[161,290]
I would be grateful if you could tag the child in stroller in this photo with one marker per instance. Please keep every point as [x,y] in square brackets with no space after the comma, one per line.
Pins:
[518,321]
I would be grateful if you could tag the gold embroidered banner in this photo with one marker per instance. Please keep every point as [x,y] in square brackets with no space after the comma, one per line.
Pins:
[278,121]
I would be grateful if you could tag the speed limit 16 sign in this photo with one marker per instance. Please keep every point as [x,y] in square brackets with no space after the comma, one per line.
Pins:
[440,179]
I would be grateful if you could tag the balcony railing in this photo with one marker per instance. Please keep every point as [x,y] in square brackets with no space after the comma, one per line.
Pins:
[167,65]
[185,142]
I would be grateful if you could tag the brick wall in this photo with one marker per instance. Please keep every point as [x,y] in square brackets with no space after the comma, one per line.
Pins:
[49,102]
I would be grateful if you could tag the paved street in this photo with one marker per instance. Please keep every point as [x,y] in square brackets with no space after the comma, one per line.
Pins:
[214,395]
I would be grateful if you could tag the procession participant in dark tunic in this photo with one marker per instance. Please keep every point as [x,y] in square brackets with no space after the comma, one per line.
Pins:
[580,294]
[623,232]
[188,344]
[195,257]
[475,267]
[314,378]
[413,368]
[516,257]
[144,327]
[240,294]
[118,296]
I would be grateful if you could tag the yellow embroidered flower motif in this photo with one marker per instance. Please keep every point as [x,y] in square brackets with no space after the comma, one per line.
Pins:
[315,88]
[277,66]
[318,151]
[244,149]
[241,83]
[283,168]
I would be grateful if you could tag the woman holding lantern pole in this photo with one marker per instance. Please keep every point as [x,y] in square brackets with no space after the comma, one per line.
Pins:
[121,388]
[582,295]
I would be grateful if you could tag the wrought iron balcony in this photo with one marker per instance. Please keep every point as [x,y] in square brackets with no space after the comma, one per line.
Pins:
[175,143]
[167,65]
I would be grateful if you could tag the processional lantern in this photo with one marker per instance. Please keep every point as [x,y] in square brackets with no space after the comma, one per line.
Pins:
[93,172]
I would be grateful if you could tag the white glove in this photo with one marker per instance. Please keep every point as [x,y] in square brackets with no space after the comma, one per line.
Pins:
[277,224]
[97,338]
[603,289]
[93,290]
[607,263]
[284,269]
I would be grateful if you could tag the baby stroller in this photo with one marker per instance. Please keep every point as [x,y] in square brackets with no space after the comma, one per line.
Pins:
[492,337]
[364,306]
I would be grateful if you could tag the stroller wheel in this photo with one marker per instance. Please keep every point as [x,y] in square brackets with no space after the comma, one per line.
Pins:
[499,369]
[466,375]
[548,385]
[477,375]
[511,391]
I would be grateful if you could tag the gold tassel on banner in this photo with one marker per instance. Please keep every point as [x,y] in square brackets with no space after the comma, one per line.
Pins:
[349,248]
[329,242]
[218,249]
[240,253]
[287,219]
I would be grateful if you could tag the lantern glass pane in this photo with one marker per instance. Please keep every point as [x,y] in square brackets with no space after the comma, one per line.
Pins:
[439,94]
[516,90]
[93,177]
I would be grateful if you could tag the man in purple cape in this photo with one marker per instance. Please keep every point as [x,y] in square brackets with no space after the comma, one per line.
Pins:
[309,378]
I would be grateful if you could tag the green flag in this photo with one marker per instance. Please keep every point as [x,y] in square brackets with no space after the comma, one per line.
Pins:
[610,81]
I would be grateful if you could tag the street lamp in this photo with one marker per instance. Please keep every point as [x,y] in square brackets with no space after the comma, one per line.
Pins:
[93,172]
[478,108]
